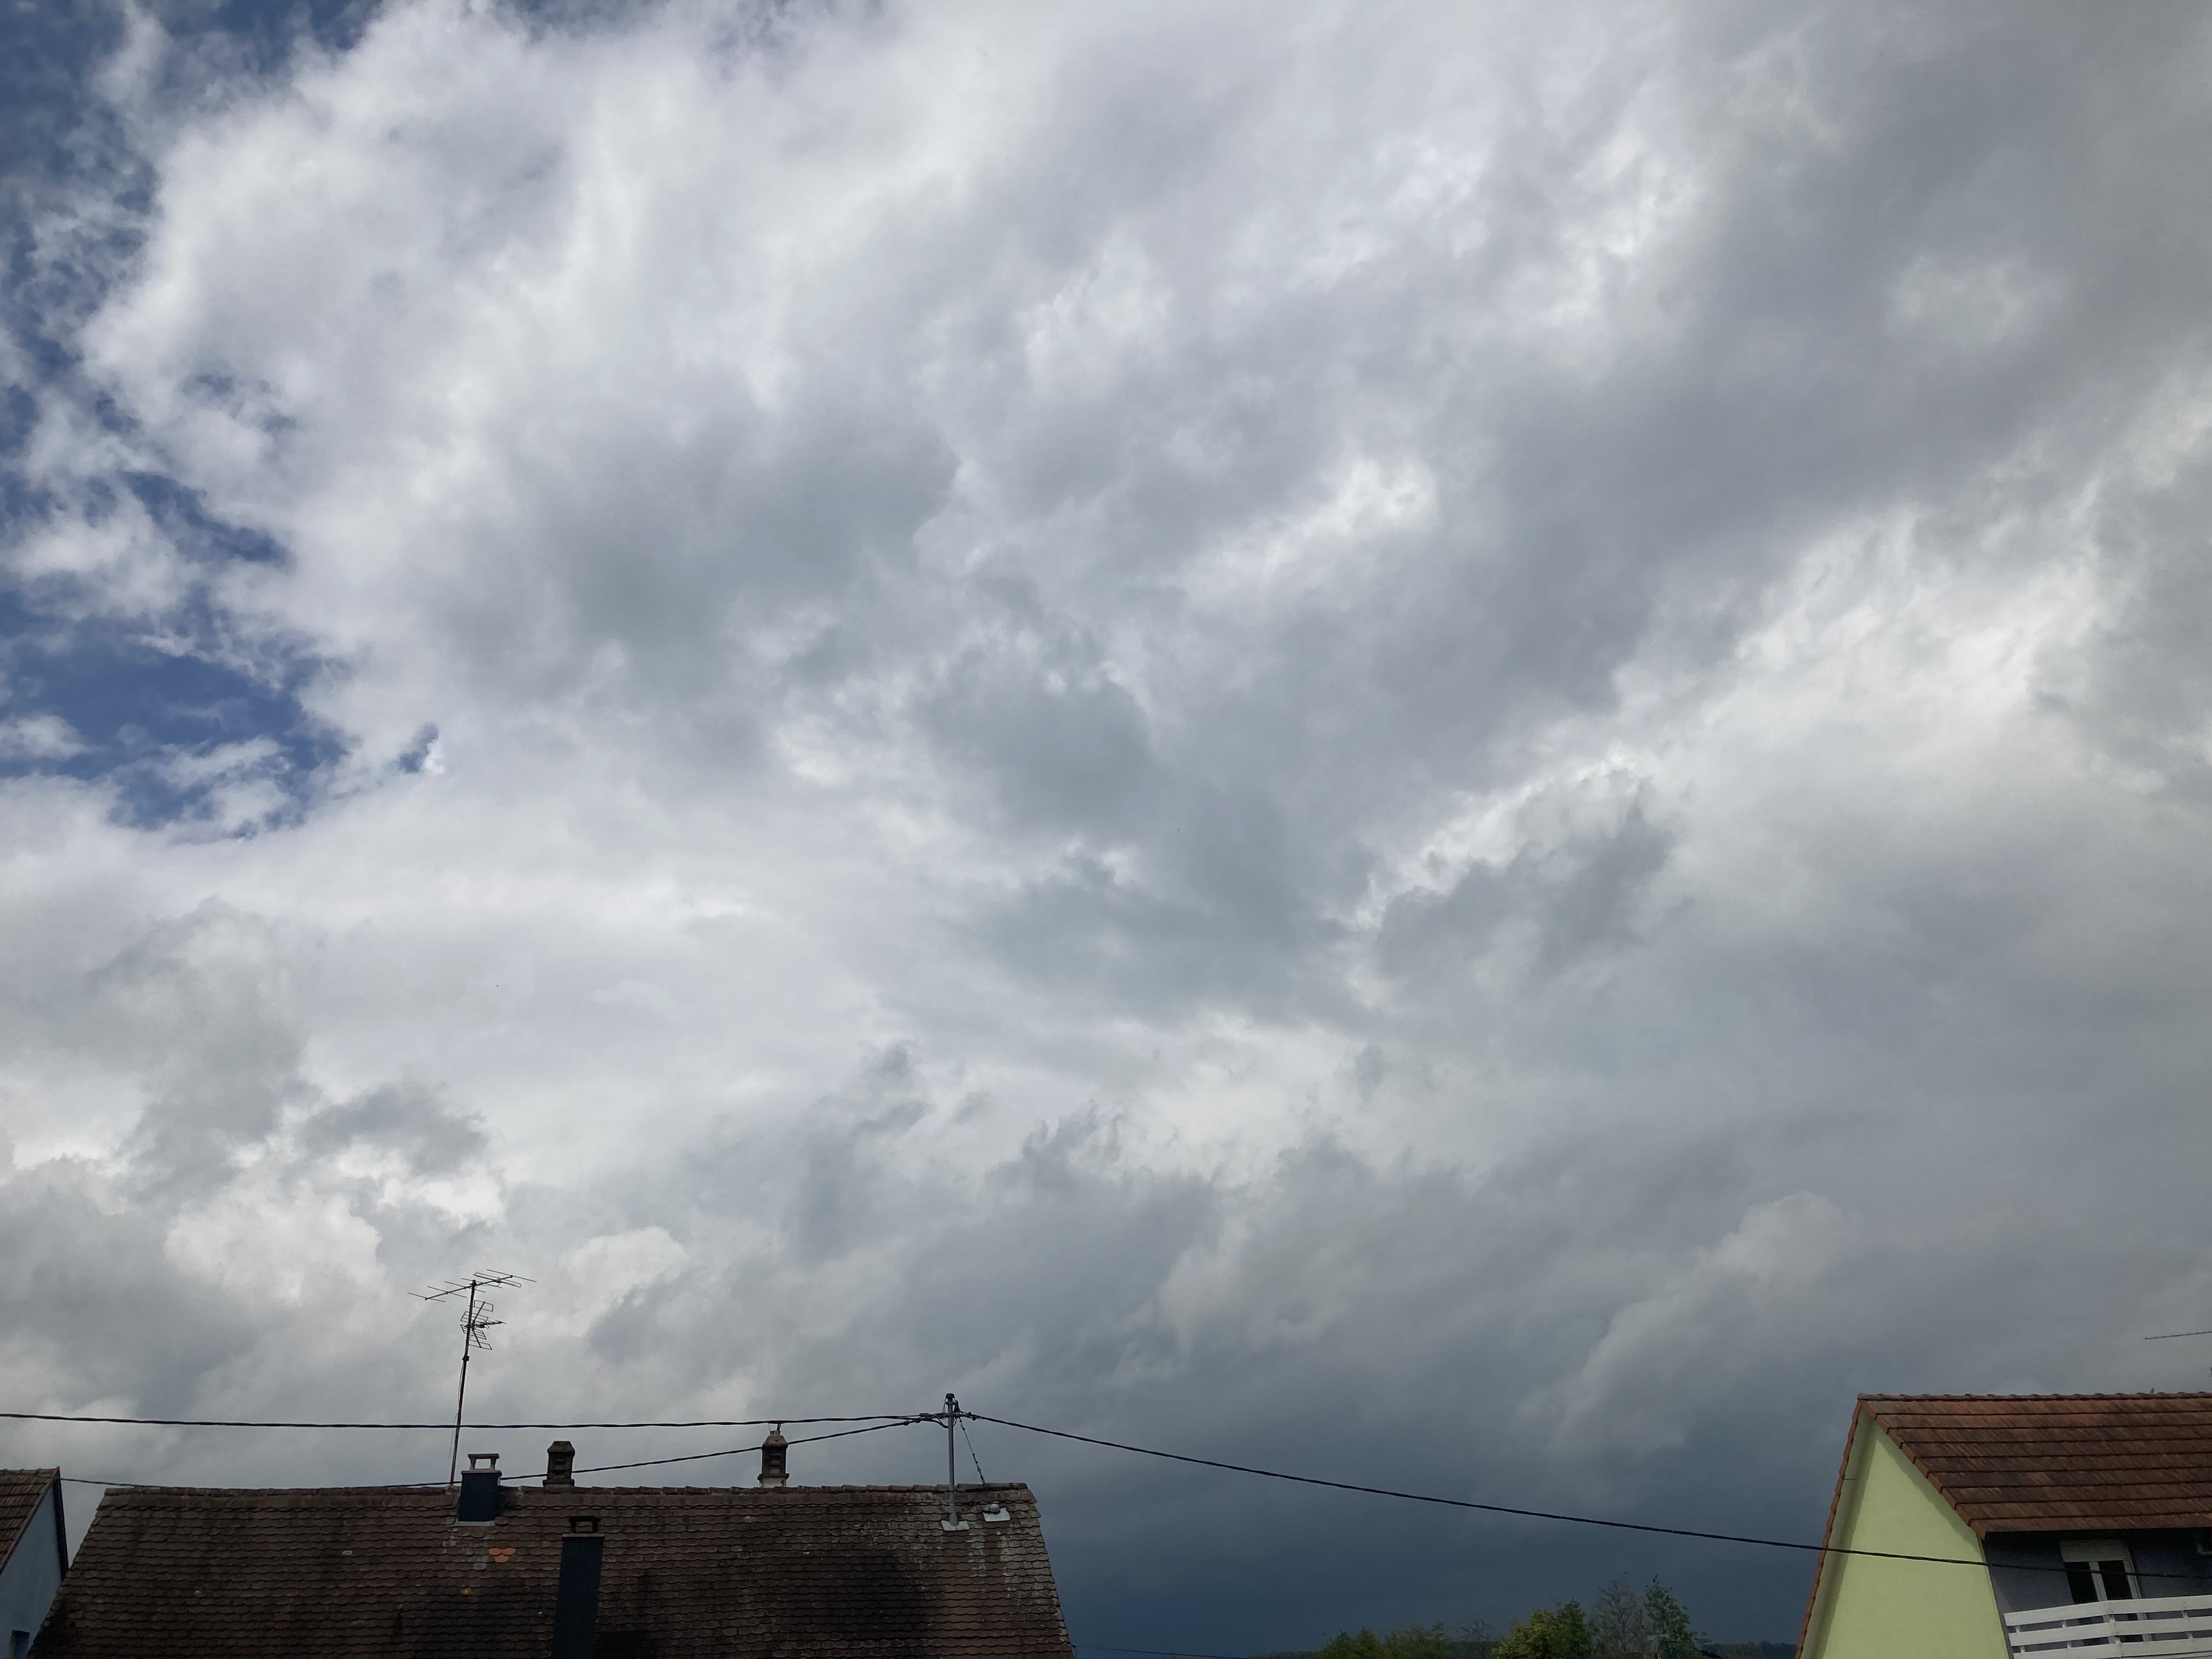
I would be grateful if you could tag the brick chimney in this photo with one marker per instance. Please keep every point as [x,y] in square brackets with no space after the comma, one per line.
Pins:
[560,1465]
[576,1597]
[775,1450]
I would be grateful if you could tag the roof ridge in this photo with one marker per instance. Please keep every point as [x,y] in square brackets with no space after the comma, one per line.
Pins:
[431,1489]
[2145,1394]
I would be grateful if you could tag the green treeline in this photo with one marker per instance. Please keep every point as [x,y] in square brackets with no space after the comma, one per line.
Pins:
[1622,1623]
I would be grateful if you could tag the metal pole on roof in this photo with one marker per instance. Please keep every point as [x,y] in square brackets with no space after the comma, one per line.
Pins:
[460,1400]
[952,1523]
[474,1323]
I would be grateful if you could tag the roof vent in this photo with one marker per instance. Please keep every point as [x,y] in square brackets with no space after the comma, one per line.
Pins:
[997,1512]
[576,1598]
[560,1465]
[775,1453]
[479,1505]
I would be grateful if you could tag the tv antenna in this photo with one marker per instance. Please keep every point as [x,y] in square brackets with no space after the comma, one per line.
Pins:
[474,1323]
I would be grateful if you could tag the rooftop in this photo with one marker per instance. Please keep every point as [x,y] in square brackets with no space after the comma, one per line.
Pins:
[806,1572]
[2060,1463]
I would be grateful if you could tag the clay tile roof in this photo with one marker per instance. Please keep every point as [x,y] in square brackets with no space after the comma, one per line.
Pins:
[2060,1463]
[816,1572]
[22,1491]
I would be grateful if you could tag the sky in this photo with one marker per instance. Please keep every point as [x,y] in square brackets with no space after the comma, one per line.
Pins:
[1464,747]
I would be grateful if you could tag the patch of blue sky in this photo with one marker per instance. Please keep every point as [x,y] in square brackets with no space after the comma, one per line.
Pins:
[165,722]
[181,515]
[172,713]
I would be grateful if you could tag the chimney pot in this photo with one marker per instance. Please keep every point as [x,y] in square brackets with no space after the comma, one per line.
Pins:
[560,1465]
[774,1459]
[480,1500]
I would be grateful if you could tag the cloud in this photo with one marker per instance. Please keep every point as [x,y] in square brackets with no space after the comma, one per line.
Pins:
[38,736]
[1463,746]
[409,1122]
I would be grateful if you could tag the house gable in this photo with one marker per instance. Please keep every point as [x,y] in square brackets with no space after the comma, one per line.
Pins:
[1868,1607]
[33,1550]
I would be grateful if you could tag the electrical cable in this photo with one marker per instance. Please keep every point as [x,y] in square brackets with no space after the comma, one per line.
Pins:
[446,1427]
[1495,1509]
[893,1419]
[972,1457]
[597,1468]
[738,1451]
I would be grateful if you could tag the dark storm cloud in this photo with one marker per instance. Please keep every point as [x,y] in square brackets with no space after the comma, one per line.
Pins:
[1576,898]
[70,1248]
[1038,713]
[432,1138]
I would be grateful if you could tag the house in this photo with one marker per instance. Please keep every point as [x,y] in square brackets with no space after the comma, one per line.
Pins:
[560,1571]
[34,1551]
[2067,1525]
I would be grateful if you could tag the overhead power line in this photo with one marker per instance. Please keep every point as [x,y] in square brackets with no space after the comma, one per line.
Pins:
[1488,1509]
[1193,1653]
[597,1468]
[739,1451]
[874,1421]
[245,1423]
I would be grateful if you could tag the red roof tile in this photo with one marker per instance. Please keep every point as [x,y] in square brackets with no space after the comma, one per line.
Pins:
[2060,1463]
[811,1572]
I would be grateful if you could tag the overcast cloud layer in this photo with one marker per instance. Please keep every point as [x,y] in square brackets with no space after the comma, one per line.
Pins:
[1461,744]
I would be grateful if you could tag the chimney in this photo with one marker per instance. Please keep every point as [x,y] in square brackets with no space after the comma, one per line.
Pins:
[773,1451]
[479,1505]
[560,1465]
[576,1600]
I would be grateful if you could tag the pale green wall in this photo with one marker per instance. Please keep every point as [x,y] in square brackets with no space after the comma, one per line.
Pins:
[1869,1608]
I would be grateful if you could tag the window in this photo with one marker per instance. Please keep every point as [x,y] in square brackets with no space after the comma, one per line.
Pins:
[19,1643]
[2099,1569]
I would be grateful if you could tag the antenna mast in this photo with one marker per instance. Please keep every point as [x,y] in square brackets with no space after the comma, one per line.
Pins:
[474,1323]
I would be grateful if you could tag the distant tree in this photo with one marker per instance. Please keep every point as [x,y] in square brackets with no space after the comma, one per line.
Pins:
[1408,1642]
[1558,1633]
[1418,1642]
[1620,1624]
[1671,1633]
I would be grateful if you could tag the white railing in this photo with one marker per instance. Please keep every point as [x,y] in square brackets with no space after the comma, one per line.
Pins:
[2165,1627]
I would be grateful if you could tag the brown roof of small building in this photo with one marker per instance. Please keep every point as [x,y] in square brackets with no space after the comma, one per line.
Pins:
[815,1572]
[2059,1463]
[22,1491]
